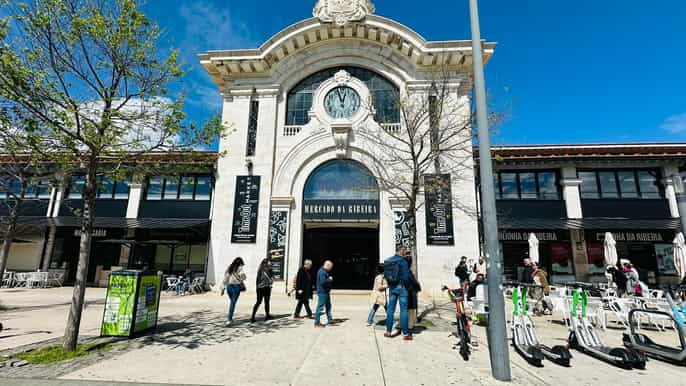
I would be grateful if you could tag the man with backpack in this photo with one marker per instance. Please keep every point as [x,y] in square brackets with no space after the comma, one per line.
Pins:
[397,275]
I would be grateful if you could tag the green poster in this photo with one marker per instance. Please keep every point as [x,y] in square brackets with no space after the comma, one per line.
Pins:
[148,297]
[119,305]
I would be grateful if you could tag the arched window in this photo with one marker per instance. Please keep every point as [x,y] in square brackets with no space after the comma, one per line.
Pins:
[384,95]
[341,180]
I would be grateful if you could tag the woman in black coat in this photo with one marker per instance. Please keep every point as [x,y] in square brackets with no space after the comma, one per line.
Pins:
[303,289]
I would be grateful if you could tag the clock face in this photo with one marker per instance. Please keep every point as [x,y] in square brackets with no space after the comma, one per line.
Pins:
[342,102]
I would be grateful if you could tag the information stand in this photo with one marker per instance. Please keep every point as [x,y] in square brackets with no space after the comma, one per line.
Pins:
[132,303]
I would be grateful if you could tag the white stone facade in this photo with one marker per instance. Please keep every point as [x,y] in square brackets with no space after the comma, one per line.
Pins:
[286,155]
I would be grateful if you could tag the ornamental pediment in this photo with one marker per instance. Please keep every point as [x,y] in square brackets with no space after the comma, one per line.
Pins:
[341,12]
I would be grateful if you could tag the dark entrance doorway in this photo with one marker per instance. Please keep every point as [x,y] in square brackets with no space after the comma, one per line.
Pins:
[354,252]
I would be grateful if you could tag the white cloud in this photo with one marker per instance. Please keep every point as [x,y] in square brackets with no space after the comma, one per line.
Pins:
[208,27]
[675,123]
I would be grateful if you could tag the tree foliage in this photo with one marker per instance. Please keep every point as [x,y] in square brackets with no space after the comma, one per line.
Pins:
[93,94]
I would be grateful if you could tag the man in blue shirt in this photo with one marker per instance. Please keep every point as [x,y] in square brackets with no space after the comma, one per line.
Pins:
[324,281]
[397,274]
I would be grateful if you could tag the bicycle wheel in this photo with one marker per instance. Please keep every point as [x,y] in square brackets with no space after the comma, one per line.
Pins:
[465,349]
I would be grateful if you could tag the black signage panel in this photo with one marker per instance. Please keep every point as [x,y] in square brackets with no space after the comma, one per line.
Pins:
[439,210]
[637,236]
[523,235]
[278,221]
[402,230]
[247,199]
[341,209]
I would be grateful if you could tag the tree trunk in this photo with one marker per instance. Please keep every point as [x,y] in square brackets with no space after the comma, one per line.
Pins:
[7,243]
[4,254]
[71,333]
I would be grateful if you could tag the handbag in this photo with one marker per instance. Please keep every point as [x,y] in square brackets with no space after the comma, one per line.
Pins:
[243,287]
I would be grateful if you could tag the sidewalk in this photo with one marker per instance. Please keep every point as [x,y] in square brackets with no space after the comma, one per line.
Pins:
[193,347]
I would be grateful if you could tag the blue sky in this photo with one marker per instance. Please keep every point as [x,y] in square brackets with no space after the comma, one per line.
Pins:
[583,71]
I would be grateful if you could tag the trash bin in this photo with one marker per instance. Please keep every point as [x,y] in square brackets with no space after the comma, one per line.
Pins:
[133,299]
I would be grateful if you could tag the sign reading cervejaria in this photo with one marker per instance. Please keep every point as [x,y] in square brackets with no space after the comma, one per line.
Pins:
[439,210]
[341,209]
[245,209]
[277,241]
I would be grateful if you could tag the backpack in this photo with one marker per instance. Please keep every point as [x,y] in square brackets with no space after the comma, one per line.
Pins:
[391,272]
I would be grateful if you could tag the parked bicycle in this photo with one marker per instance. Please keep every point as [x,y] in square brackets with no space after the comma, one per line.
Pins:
[464,327]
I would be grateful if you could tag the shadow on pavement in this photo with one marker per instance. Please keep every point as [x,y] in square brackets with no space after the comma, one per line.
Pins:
[205,328]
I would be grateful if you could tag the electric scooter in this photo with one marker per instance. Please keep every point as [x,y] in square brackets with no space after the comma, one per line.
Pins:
[583,337]
[644,344]
[524,336]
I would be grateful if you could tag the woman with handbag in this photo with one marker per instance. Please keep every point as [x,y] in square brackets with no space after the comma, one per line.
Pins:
[234,279]
[264,282]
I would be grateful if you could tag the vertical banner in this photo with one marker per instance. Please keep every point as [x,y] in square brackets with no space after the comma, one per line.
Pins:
[278,222]
[245,209]
[402,231]
[439,210]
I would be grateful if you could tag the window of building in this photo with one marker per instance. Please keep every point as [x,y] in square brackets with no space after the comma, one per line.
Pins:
[76,188]
[155,188]
[527,185]
[252,128]
[36,189]
[384,95]
[113,190]
[620,184]
[196,188]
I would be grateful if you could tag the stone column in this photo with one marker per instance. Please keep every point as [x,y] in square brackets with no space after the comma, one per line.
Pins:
[48,249]
[670,192]
[571,192]
[579,254]
[135,197]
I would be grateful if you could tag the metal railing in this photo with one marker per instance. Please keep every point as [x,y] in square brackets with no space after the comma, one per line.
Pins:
[290,131]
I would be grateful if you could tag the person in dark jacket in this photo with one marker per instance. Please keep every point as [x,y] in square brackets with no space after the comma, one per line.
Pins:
[324,281]
[413,290]
[527,272]
[264,282]
[303,290]
[462,271]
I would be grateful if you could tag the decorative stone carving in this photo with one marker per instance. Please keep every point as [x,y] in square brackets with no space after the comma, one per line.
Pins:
[341,138]
[342,12]
[342,78]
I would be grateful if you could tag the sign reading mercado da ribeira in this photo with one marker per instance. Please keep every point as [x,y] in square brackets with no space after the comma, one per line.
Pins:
[341,209]
[247,200]
[439,210]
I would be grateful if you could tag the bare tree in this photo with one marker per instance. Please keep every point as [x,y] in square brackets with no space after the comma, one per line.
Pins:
[95,90]
[434,137]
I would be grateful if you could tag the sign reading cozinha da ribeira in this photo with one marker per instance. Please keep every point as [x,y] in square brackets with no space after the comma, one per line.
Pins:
[247,198]
[439,210]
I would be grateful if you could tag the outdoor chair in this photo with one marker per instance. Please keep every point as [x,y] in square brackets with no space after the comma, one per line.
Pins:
[196,286]
[172,282]
[479,303]
[620,307]
[21,279]
[55,278]
[660,322]
[8,279]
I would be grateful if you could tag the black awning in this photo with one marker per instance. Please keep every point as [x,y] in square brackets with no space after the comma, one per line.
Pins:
[116,222]
[588,223]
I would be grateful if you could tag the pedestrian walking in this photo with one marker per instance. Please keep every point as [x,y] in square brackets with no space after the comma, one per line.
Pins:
[413,290]
[378,295]
[462,271]
[397,275]
[303,290]
[479,268]
[264,282]
[541,294]
[324,281]
[526,273]
[234,284]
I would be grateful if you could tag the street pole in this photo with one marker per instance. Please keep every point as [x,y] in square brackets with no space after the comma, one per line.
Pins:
[679,189]
[497,332]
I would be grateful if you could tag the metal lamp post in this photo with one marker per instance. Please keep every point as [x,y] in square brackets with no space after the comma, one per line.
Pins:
[497,332]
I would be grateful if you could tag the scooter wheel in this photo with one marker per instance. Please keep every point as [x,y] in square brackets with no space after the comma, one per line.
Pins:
[625,361]
[573,342]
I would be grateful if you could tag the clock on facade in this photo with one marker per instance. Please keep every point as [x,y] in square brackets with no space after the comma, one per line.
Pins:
[342,102]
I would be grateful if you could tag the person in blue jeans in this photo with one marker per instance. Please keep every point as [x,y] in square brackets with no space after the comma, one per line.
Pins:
[234,279]
[324,281]
[397,274]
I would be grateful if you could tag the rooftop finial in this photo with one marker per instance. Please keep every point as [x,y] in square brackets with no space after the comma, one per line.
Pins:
[342,12]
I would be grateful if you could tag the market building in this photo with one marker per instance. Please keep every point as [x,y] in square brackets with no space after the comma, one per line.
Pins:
[296,178]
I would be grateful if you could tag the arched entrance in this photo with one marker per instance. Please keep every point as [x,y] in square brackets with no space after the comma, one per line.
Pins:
[341,222]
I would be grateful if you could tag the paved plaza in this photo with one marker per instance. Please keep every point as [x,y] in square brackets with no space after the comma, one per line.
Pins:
[193,347]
